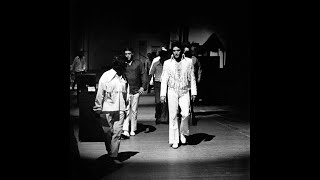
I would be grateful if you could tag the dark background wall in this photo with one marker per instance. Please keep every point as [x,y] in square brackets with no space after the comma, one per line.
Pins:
[104,29]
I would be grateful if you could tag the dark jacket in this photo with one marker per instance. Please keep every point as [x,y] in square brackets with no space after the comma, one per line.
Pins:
[136,76]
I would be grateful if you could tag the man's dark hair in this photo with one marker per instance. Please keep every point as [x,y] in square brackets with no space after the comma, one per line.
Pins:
[118,64]
[188,54]
[150,56]
[163,56]
[80,53]
[128,49]
[176,44]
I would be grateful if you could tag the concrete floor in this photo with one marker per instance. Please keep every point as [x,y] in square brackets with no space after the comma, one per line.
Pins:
[219,148]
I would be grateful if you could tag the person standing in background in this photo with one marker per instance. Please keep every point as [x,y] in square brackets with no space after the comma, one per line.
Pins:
[197,73]
[78,67]
[161,111]
[147,66]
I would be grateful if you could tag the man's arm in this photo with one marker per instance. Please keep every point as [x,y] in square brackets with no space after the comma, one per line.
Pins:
[164,83]
[127,99]
[193,82]
[144,78]
[73,63]
[99,96]
[199,70]
[152,70]
[152,64]
[85,66]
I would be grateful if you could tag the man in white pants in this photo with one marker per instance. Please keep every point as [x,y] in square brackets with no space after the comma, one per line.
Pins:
[137,78]
[178,77]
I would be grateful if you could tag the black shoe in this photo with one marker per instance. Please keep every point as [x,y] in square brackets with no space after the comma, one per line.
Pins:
[124,137]
[147,130]
[116,161]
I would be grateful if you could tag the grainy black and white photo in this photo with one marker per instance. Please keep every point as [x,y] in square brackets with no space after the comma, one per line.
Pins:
[159,89]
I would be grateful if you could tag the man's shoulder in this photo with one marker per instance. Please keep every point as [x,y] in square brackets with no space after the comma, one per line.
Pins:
[108,72]
[108,75]
[77,58]
[167,62]
[156,59]
[188,59]
[157,62]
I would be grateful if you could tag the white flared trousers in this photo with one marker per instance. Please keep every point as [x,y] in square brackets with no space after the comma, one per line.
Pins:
[175,129]
[132,113]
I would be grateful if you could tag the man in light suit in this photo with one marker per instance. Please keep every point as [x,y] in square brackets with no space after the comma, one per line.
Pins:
[178,77]
[112,100]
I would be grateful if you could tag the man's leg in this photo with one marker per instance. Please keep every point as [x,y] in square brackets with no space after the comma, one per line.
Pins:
[192,118]
[157,101]
[76,79]
[128,117]
[164,112]
[134,113]
[108,132]
[158,112]
[116,123]
[184,103]
[116,133]
[173,120]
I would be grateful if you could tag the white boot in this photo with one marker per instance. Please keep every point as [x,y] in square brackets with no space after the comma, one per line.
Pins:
[126,133]
[132,133]
[183,139]
[175,145]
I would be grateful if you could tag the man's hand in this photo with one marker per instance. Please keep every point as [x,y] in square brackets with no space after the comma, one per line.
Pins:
[162,99]
[193,98]
[97,113]
[141,90]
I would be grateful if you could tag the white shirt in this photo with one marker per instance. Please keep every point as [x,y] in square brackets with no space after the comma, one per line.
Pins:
[153,61]
[178,76]
[79,64]
[113,92]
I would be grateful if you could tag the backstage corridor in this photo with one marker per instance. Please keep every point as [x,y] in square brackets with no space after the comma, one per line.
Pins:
[218,147]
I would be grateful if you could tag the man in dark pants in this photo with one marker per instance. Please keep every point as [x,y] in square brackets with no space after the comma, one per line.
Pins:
[162,112]
[197,73]
[78,67]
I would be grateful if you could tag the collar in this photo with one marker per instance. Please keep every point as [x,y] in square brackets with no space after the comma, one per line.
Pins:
[130,62]
[182,58]
[112,73]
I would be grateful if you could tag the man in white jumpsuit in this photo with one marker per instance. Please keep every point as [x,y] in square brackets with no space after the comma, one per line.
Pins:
[178,77]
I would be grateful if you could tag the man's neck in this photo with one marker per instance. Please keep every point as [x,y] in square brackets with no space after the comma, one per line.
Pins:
[130,62]
[178,59]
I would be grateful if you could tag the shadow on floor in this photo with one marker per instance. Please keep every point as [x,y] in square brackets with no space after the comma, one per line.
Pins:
[89,169]
[210,112]
[122,156]
[197,138]
[144,128]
